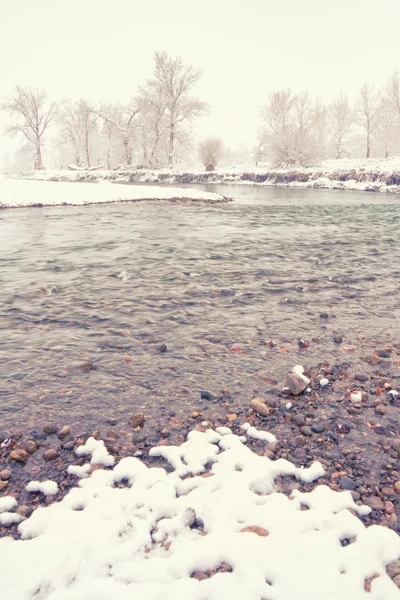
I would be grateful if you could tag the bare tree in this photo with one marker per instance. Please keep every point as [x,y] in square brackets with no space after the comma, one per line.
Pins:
[122,117]
[72,129]
[173,82]
[342,118]
[32,116]
[211,151]
[368,112]
[388,127]
[392,92]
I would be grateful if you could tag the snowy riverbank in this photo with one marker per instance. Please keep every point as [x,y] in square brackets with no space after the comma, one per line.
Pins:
[216,526]
[372,175]
[23,192]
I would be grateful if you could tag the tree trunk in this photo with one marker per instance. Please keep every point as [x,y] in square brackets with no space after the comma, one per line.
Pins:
[171,144]
[38,156]
[368,146]
[127,150]
[87,146]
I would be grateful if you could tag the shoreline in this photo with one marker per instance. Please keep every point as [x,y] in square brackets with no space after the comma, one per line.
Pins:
[379,176]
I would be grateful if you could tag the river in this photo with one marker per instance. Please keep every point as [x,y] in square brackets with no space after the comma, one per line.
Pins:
[88,294]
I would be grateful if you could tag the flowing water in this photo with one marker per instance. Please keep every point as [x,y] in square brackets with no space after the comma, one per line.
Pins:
[105,286]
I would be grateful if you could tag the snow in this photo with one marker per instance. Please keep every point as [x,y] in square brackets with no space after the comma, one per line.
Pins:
[98,451]
[356,396]
[79,471]
[299,371]
[7,503]
[24,192]
[256,434]
[48,488]
[324,382]
[145,539]
[378,175]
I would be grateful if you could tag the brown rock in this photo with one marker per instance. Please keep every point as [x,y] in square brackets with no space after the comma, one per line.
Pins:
[19,455]
[373,502]
[295,384]
[255,529]
[397,487]
[30,446]
[380,409]
[49,429]
[389,507]
[232,417]
[5,474]
[137,420]
[64,431]
[3,485]
[259,406]
[50,454]
[24,510]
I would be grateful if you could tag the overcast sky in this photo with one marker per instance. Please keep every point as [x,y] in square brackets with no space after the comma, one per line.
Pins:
[247,48]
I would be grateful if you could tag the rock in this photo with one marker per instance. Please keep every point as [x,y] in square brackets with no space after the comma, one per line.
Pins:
[269,454]
[88,365]
[346,483]
[50,429]
[255,529]
[383,354]
[397,487]
[324,315]
[306,430]
[162,348]
[380,409]
[373,502]
[19,455]
[5,474]
[232,417]
[64,431]
[317,428]
[299,420]
[295,384]
[137,420]
[337,339]
[68,445]
[199,575]
[259,406]
[206,395]
[361,377]
[138,438]
[24,510]
[394,568]
[389,507]
[3,485]
[50,454]
[30,446]
[303,343]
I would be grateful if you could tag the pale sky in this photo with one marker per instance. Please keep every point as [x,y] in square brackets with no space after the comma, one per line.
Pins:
[247,48]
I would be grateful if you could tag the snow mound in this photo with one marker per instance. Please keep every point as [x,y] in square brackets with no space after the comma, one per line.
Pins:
[214,528]
[49,488]
[24,192]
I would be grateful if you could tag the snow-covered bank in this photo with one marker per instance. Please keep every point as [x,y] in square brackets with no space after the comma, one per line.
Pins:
[23,192]
[216,527]
[373,175]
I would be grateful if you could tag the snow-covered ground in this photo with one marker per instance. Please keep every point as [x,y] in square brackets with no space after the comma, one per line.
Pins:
[23,192]
[214,528]
[377,175]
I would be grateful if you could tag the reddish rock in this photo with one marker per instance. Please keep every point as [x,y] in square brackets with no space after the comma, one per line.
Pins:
[295,384]
[50,454]
[137,420]
[259,406]
[5,474]
[255,529]
[30,446]
[19,455]
[64,431]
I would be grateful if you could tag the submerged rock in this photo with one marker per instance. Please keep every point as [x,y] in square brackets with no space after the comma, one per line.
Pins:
[259,406]
[295,384]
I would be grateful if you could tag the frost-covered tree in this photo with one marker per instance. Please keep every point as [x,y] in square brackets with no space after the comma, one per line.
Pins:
[171,87]
[368,112]
[32,114]
[211,151]
[341,116]
[123,118]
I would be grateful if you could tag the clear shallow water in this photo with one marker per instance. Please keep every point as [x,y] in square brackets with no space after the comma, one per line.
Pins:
[199,278]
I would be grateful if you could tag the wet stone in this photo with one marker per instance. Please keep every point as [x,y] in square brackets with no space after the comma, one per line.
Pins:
[373,502]
[64,432]
[30,446]
[259,406]
[206,395]
[68,445]
[50,454]
[19,455]
[162,348]
[295,384]
[306,430]
[50,429]
[338,339]
[299,420]
[317,428]
[5,474]
[137,420]
[346,483]
[361,377]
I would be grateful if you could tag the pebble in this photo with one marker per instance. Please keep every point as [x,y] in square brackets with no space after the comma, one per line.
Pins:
[5,474]
[361,377]
[373,502]
[299,420]
[317,428]
[295,384]
[380,409]
[356,397]
[68,445]
[323,382]
[324,315]
[346,483]
[383,354]
[397,487]
[162,348]
[338,339]
[259,406]
[19,455]
[30,446]
[64,432]
[206,395]
[24,510]
[137,420]
[50,454]
[255,529]
[50,429]
[306,430]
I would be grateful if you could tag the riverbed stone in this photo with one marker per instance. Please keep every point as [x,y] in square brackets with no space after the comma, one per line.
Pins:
[346,483]
[259,406]
[64,432]
[5,474]
[49,429]
[50,454]
[19,455]
[30,446]
[373,502]
[299,420]
[306,430]
[294,383]
[137,420]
